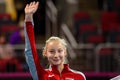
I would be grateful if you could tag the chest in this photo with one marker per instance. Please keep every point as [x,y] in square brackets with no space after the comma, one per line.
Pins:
[61,77]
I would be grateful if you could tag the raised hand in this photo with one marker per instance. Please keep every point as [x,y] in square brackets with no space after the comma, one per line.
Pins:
[30,9]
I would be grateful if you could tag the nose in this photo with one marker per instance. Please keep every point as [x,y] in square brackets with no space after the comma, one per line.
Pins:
[56,54]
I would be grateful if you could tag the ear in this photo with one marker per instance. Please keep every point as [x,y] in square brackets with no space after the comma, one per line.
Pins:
[65,53]
[45,54]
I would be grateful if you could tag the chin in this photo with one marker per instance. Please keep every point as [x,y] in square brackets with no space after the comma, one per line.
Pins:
[54,63]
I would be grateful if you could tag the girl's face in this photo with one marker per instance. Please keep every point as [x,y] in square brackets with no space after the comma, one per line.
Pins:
[55,53]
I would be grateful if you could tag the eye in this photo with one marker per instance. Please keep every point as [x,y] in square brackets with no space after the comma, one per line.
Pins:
[51,51]
[60,51]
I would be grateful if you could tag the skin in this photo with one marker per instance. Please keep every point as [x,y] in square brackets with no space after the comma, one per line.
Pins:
[55,51]
[30,9]
[56,54]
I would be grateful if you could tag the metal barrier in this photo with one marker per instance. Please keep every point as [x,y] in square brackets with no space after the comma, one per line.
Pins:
[89,74]
[73,45]
[116,54]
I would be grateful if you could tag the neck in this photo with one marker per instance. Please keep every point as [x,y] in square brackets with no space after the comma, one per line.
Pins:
[60,67]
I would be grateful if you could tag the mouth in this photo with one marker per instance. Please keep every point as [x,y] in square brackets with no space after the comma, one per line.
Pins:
[55,60]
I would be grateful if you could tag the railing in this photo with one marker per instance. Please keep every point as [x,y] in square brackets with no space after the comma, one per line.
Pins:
[73,45]
[115,46]
[89,74]
[95,51]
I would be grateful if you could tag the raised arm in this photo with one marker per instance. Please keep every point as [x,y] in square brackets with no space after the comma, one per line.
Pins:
[30,9]
[30,49]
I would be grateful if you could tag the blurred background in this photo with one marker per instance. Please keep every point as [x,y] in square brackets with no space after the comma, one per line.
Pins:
[90,27]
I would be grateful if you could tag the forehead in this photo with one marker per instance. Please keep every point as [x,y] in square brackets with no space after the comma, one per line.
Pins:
[55,44]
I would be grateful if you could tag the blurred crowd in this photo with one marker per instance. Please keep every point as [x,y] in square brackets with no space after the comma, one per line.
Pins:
[11,34]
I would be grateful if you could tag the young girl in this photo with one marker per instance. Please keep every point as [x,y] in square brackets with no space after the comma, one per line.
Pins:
[54,50]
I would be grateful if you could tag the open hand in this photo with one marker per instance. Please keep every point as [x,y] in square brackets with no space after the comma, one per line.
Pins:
[31,8]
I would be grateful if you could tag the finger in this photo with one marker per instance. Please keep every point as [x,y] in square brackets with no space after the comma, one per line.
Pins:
[31,3]
[37,3]
[27,6]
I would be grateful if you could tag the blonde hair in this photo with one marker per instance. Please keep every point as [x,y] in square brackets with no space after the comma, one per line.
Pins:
[53,38]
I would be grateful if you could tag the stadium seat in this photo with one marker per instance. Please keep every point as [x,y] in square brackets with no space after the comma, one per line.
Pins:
[9,28]
[113,37]
[81,15]
[108,20]
[5,19]
[87,27]
[5,16]
[95,39]
[117,3]
[109,23]
[79,19]
[106,59]
[118,39]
